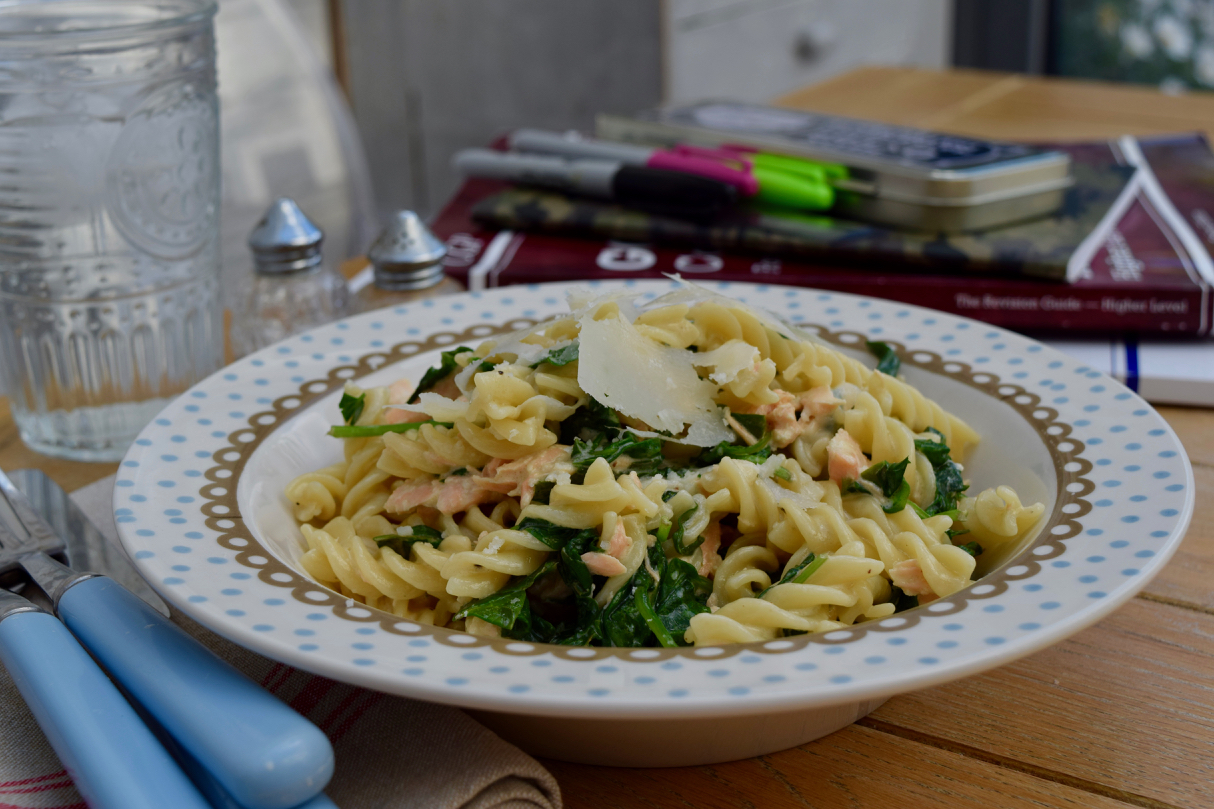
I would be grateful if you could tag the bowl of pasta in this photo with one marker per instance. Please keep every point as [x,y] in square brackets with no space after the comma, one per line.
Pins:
[653,523]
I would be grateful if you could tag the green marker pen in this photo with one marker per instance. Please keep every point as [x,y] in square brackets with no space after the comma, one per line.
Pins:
[793,190]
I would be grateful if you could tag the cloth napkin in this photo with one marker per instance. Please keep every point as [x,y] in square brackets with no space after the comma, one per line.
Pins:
[392,752]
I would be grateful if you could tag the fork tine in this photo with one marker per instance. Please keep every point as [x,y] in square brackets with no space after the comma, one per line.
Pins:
[13,538]
[29,528]
[13,545]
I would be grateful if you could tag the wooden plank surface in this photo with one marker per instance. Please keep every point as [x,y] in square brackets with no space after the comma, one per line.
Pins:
[860,766]
[1125,707]
[996,105]
[1186,580]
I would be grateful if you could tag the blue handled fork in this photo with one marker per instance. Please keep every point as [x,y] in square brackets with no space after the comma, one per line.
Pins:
[261,753]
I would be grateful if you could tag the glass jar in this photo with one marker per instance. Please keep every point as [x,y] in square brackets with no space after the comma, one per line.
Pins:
[109,145]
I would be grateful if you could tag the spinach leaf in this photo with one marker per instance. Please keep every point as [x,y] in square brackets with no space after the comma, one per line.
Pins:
[622,621]
[571,567]
[588,625]
[485,365]
[972,548]
[553,535]
[850,486]
[887,359]
[543,491]
[675,532]
[799,573]
[533,629]
[571,544]
[402,544]
[437,374]
[560,356]
[890,479]
[352,406]
[901,600]
[949,484]
[753,423]
[589,420]
[368,430]
[935,451]
[949,487]
[652,619]
[953,532]
[682,593]
[508,605]
[646,453]
[756,453]
[642,612]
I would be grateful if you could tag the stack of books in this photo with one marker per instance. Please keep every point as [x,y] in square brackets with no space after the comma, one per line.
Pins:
[1120,275]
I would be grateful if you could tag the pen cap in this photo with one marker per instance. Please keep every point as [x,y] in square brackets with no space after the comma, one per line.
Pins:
[285,240]
[793,190]
[671,192]
[570,144]
[407,255]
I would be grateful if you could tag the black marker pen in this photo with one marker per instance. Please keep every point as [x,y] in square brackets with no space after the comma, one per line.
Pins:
[654,190]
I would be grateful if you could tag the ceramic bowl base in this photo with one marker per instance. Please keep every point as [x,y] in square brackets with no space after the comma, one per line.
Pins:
[670,742]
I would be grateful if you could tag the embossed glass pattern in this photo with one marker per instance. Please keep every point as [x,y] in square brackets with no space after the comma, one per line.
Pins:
[109,153]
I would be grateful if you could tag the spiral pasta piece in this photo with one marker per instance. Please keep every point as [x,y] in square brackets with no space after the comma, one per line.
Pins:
[997,517]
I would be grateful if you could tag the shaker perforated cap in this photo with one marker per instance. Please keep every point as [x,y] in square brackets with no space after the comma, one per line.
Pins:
[285,240]
[407,255]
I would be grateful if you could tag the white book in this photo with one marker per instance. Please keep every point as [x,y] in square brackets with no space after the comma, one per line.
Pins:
[1161,371]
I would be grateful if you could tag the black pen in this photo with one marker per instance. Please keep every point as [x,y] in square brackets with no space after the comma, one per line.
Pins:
[655,190]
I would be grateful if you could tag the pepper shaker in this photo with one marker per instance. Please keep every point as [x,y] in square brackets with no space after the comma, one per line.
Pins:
[292,289]
[407,262]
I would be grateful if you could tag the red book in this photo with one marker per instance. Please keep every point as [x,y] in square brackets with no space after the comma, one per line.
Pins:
[1150,272]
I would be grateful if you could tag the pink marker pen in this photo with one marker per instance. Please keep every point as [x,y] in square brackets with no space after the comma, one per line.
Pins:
[722,167]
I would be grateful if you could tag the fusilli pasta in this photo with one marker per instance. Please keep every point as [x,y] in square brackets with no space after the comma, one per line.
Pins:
[688,472]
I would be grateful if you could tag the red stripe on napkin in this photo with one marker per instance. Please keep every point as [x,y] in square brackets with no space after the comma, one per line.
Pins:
[277,676]
[40,788]
[310,695]
[24,781]
[328,722]
[369,699]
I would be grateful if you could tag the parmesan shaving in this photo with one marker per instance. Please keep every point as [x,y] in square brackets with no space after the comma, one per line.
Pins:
[437,407]
[656,384]
[727,361]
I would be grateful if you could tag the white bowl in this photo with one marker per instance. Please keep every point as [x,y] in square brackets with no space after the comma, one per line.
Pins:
[200,507]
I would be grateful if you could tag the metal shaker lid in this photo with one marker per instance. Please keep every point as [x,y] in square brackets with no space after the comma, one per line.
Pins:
[407,255]
[285,240]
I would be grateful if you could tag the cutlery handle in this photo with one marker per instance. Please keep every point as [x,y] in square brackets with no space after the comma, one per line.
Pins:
[114,760]
[211,789]
[264,754]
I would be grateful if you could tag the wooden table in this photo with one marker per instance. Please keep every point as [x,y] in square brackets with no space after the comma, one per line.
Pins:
[1120,715]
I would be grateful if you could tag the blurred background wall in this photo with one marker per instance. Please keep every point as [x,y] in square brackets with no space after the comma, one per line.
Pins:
[426,78]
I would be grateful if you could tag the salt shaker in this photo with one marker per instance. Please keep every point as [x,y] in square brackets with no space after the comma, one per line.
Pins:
[292,289]
[408,265]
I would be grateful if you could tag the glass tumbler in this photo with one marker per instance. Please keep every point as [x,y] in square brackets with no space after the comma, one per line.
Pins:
[109,211]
